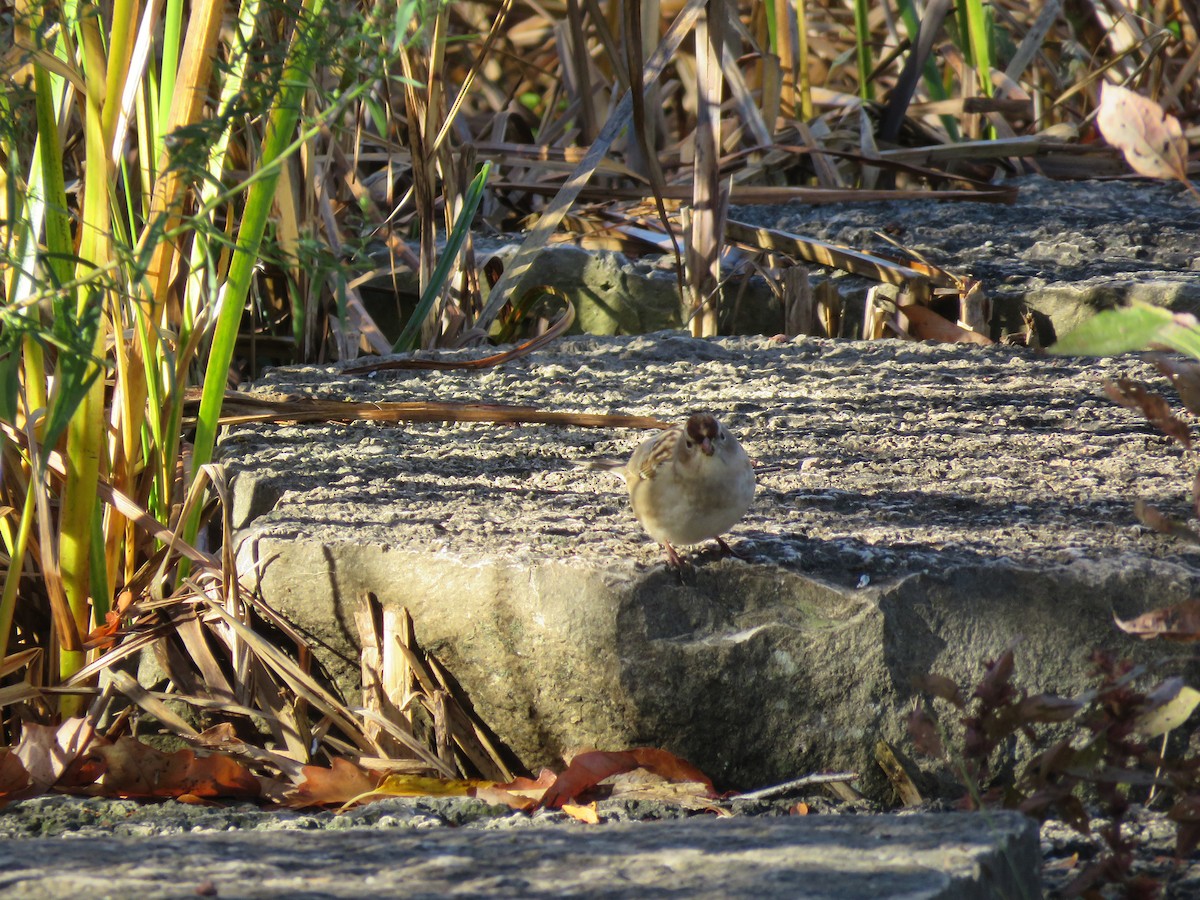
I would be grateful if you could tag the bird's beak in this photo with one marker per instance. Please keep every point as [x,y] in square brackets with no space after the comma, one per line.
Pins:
[706,447]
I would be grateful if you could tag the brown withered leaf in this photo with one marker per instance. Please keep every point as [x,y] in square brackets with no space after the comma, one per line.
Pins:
[926,325]
[1134,395]
[940,686]
[1154,518]
[48,752]
[134,769]
[1185,376]
[1046,708]
[15,783]
[520,793]
[924,732]
[588,769]
[1150,138]
[342,782]
[1180,622]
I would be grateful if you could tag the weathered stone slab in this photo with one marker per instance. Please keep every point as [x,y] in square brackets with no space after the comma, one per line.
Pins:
[1064,249]
[922,857]
[934,505]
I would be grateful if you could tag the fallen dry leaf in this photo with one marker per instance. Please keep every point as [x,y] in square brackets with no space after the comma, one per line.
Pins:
[926,325]
[134,769]
[589,814]
[1150,138]
[15,783]
[339,784]
[1180,622]
[588,769]
[521,793]
[47,751]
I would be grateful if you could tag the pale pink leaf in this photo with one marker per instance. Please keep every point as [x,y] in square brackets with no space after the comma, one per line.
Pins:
[1150,138]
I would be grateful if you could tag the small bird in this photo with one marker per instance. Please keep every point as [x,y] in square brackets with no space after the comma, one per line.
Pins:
[688,483]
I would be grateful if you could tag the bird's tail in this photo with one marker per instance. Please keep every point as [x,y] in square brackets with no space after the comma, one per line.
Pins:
[614,466]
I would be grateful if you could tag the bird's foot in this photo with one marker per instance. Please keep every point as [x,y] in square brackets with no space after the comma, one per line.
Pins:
[729,551]
[674,560]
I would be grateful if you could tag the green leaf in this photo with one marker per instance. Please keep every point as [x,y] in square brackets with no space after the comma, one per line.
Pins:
[412,331]
[1129,328]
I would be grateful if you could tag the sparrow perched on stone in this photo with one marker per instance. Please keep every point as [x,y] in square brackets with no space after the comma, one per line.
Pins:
[688,483]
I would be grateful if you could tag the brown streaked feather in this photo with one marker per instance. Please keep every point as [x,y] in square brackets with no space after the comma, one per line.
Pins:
[664,451]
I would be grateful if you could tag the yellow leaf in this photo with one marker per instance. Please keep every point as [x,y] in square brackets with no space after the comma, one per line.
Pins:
[421,786]
[1170,714]
[589,814]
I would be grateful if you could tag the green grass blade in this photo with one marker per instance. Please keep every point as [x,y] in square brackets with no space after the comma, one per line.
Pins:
[412,330]
[979,32]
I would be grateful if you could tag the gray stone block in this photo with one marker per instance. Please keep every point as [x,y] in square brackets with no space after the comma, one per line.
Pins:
[934,505]
[923,857]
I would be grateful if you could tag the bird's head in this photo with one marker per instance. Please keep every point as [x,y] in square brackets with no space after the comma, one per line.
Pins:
[703,432]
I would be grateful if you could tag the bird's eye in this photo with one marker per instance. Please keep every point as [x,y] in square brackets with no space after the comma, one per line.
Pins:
[689,444]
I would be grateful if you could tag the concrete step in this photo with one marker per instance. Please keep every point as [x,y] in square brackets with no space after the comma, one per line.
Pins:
[932,504]
[958,856]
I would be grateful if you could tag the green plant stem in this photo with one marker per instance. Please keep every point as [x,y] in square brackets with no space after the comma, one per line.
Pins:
[16,566]
[862,38]
[281,123]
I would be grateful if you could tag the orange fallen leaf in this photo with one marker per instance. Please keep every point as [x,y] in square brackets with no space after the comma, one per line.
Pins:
[588,769]
[520,793]
[926,325]
[339,784]
[800,809]
[1180,622]
[134,769]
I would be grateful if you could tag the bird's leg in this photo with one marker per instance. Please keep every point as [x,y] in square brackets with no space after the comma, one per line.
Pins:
[727,550]
[673,558]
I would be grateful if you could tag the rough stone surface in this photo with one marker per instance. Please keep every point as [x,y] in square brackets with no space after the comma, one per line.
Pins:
[1064,249]
[930,857]
[934,505]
